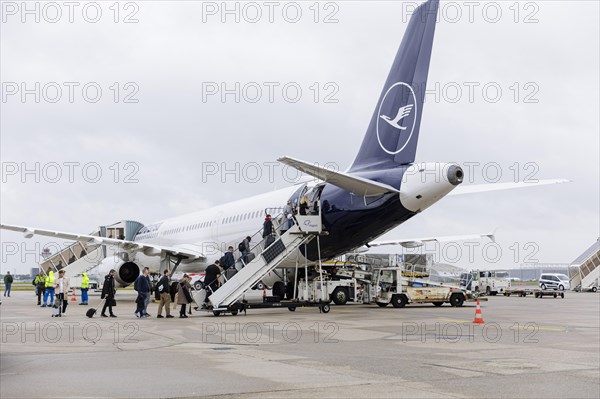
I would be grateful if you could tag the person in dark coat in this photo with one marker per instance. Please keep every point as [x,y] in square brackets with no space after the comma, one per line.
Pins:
[184,295]
[143,286]
[267,226]
[303,206]
[246,250]
[108,292]
[212,276]
[228,258]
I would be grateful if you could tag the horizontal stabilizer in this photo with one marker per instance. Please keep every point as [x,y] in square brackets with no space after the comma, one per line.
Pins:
[417,242]
[354,184]
[481,188]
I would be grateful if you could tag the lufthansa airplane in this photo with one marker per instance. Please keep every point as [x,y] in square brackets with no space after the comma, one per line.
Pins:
[382,188]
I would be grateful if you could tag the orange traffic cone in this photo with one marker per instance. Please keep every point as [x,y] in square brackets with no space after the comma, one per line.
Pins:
[73,297]
[478,316]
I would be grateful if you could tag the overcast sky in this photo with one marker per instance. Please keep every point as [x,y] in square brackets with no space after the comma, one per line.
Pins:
[170,126]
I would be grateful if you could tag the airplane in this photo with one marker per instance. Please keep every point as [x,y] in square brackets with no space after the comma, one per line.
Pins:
[383,188]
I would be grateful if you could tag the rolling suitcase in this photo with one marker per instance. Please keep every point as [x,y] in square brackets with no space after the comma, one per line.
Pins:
[229,273]
[91,312]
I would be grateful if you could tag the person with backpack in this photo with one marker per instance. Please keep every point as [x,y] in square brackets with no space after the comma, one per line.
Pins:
[162,287]
[8,280]
[244,248]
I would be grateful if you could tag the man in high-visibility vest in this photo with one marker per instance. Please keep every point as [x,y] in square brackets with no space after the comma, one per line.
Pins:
[85,285]
[40,286]
[49,290]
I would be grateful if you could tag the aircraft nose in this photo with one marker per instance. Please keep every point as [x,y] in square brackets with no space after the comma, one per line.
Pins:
[455,175]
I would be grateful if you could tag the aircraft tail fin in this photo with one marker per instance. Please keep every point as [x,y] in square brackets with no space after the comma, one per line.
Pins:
[392,135]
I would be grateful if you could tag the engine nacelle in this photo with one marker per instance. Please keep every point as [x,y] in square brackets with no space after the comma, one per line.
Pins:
[127,271]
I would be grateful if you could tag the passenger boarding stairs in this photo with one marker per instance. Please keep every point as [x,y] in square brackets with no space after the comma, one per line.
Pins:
[75,259]
[304,230]
[585,270]
[84,256]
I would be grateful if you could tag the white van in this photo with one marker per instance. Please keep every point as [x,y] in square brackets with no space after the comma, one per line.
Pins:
[554,281]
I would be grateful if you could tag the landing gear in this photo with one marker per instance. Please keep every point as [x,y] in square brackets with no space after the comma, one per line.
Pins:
[325,308]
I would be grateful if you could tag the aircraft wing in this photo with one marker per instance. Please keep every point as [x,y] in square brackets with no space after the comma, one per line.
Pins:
[147,249]
[480,188]
[417,242]
[355,184]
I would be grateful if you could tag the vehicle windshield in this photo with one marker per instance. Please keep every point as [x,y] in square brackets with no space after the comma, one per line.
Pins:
[562,277]
[502,274]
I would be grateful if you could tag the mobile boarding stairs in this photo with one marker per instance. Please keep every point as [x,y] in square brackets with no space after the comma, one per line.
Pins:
[264,257]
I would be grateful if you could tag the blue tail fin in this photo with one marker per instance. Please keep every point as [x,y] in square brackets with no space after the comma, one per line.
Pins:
[392,136]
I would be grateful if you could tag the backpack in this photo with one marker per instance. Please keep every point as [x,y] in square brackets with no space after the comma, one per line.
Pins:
[241,246]
[222,261]
[160,287]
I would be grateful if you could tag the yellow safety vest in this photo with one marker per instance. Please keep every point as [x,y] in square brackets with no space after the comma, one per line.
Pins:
[85,281]
[50,280]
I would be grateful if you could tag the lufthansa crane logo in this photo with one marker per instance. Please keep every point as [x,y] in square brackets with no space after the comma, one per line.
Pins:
[398,109]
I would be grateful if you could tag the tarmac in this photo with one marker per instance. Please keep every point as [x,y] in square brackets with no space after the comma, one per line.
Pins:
[526,348]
